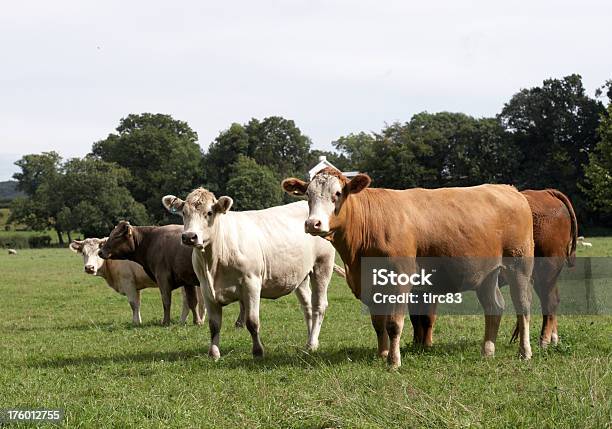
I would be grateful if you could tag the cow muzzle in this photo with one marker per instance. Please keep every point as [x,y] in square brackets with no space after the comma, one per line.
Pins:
[90,269]
[314,226]
[189,238]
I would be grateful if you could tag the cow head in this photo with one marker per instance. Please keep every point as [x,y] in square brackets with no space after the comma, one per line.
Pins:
[326,193]
[199,211]
[120,243]
[89,248]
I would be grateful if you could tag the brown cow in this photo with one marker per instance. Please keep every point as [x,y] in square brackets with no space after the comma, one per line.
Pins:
[555,233]
[160,252]
[448,222]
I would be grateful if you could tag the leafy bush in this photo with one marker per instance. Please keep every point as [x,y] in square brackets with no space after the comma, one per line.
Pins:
[39,241]
[14,242]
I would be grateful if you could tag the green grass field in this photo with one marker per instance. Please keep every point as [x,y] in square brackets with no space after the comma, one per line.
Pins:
[67,342]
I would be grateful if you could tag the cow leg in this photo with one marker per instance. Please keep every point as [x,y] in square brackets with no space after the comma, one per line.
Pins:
[493,304]
[319,281]
[185,311]
[241,317]
[200,298]
[379,324]
[215,317]
[192,302]
[304,295]
[133,296]
[251,298]
[394,326]
[548,292]
[520,291]
[428,322]
[166,295]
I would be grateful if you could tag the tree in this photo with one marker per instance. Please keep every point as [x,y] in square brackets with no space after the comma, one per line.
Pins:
[554,128]
[253,186]
[95,198]
[161,153]
[277,143]
[598,172]
[40,179]
[356,148]
[222,154]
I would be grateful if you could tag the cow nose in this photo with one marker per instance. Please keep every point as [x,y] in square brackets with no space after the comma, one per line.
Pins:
[312,225]
[89,269]
[189,238]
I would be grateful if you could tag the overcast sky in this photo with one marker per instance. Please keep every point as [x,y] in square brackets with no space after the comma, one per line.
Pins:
[71,69]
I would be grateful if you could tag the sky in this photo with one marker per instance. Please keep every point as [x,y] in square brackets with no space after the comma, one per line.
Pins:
[70,70]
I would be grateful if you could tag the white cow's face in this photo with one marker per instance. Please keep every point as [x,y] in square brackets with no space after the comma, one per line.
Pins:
[326,194]
[200,210]
[89,248]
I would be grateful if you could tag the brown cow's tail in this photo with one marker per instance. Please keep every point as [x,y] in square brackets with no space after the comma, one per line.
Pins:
[571,254]
[340,271]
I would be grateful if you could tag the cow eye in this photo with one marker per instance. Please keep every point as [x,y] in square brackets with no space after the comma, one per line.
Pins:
[338,194]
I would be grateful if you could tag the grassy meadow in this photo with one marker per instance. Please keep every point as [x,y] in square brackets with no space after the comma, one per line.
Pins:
[67,342]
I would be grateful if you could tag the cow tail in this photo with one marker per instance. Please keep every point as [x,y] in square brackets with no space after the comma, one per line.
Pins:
[571,254]
[340,271]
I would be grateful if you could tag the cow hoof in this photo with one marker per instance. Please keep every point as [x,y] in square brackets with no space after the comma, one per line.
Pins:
[239,324]
[198,322]
[165,323]
[383,354]
[258,354]
[214,353]
[544,344]
[312,347]
[394,362]
[554,339]
[525,353]
[488,349]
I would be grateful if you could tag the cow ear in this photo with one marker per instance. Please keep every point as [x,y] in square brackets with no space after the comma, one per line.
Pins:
[102,242]
[173,204]
[294,186]
[76,246]
[358,183]
[223,204]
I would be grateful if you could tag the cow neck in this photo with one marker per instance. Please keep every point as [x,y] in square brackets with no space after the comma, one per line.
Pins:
[142,240]
[106,272]
[353,235]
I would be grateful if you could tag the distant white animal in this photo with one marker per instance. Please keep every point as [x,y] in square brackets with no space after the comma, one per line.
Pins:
[584,243]
[12,252]
[125,277]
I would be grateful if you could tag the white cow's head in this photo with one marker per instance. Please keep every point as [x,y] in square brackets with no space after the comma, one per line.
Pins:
[326,193]
[89,248]
[199,211]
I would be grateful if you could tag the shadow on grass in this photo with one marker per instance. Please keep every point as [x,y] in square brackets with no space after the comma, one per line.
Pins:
[90,326]
[239,357]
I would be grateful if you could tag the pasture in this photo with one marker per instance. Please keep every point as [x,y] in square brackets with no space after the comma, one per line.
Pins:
[67,342]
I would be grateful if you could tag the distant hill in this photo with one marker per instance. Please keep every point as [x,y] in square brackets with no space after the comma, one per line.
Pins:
[8,190]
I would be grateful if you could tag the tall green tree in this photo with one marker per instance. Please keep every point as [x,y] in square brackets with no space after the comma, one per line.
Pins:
[599,169]
[274,142]
[161,153]
[40,179]
[95,198]
[253,186]
[279,144]
[554,127]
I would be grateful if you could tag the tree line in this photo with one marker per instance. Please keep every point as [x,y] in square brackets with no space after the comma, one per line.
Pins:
[553,135]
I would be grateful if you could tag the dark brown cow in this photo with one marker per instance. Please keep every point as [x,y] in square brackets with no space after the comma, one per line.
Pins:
[448,222]
[555,232]
[160,252]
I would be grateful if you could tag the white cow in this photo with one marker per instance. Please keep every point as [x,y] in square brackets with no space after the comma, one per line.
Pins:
[125,277]
[245,256]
